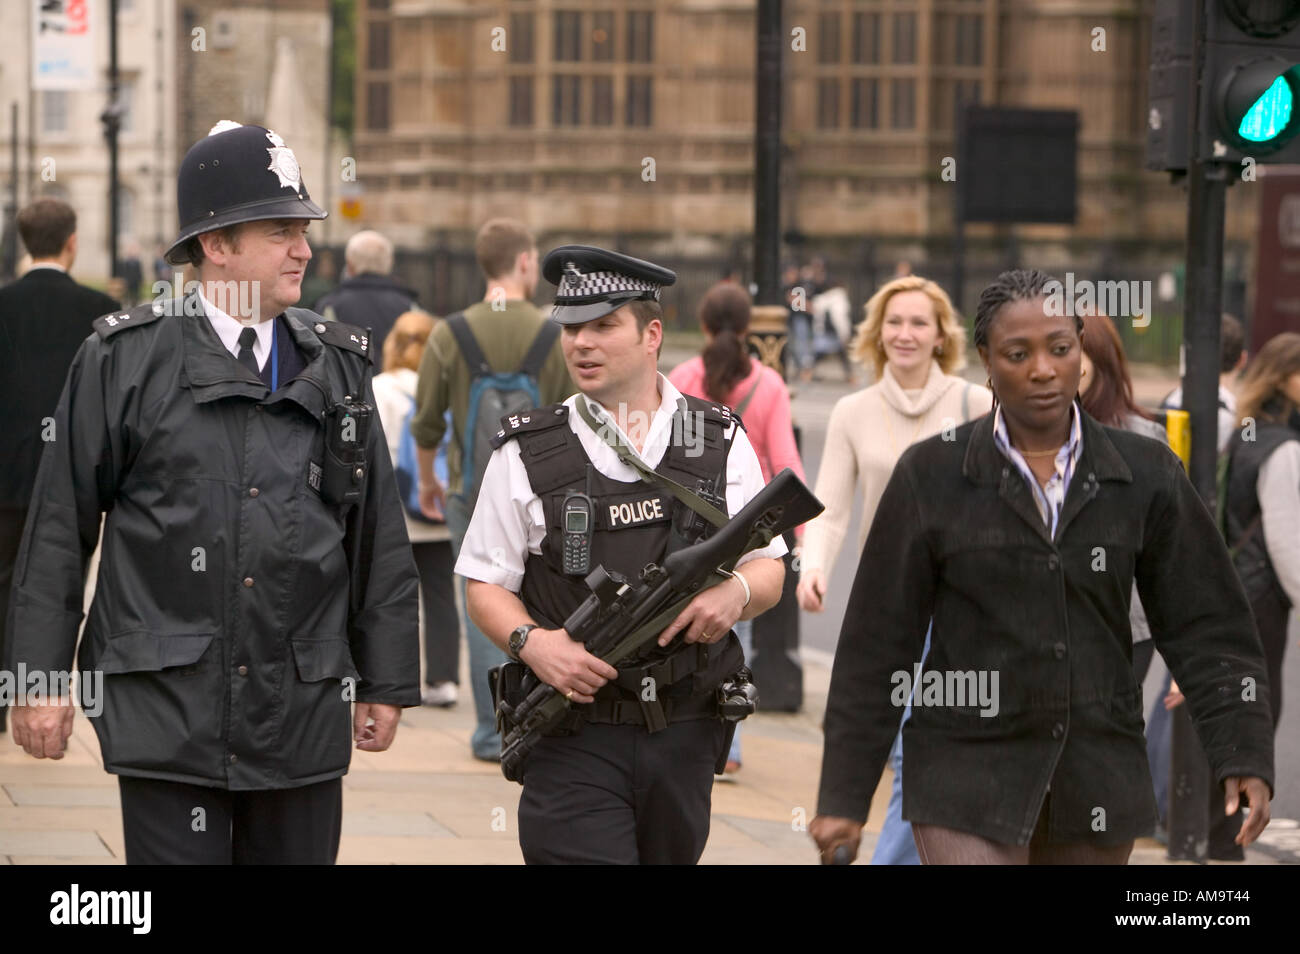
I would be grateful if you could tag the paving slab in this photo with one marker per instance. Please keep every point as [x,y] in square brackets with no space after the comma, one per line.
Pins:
[66,795]
[394,824]
[55,843]
[70,860]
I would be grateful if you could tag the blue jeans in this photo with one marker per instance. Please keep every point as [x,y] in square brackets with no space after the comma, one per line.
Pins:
[744,631]
[801,343]
[1158,746]
[895,845]
[483,653]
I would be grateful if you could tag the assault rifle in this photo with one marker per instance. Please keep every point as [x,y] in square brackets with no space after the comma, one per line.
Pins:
[622,617]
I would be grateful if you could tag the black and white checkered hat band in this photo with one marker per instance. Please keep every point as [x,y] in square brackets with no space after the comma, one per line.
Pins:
[599,286]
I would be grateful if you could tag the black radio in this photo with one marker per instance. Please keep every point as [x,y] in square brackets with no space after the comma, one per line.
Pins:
[578,514]
[343,474]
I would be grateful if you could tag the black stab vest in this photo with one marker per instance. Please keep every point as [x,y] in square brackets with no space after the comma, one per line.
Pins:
[633,520]
[1252,562]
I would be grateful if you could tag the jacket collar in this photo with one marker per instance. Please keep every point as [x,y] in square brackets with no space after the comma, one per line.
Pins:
[43,273]
[985,465]
[370,281]
[212,373]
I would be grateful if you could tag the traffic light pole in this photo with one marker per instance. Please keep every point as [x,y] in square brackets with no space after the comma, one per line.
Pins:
[1189,779]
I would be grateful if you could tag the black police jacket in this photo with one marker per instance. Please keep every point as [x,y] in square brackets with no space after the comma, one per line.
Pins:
[221,620]
[957,536]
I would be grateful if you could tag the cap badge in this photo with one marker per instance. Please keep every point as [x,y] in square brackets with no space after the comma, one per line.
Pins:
[283,163]
[572,274]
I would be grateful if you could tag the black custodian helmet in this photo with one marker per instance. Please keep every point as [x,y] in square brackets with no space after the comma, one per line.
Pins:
[235,174]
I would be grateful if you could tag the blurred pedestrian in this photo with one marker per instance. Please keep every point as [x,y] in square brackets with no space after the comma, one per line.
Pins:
[131,272]
[1232,358]
[322,278]
[162,269]
[44,317]
[1106,393]
[430,540]
[369,296]
[726,373]
[1263,496]
[914,342]
[992,540]
[833,326]
[797,295]
[502,329]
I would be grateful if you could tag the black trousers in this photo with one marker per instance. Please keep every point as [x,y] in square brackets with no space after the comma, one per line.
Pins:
[173,823]
[434,564]
[11,535]
[615,794]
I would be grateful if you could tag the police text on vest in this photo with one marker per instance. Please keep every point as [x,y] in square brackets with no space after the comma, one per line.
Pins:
[639,511]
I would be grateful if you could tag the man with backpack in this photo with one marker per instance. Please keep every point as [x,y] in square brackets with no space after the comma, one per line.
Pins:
[496,357]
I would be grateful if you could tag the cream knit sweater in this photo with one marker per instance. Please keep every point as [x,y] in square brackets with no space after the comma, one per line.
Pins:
[867,433]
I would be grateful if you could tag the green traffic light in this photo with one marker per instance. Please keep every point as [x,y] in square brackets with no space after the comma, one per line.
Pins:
[1270,115]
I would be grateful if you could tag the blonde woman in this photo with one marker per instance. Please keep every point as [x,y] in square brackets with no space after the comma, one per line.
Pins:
[915,343]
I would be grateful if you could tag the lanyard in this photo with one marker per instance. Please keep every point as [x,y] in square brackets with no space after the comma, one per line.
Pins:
[627,456]
[275,359]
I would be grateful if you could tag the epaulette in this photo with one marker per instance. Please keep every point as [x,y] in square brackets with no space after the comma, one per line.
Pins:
[537,419]
[336,333]
[115,321]
[712,410]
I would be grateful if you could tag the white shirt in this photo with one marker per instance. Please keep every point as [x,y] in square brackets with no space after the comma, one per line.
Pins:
[1051,498]
[54,265]
[509,521]
[228,329]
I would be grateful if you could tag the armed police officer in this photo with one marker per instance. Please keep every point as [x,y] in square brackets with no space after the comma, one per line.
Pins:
[603,480]
[255,578]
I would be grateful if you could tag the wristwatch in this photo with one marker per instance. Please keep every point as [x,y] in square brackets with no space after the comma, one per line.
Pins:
[519,636]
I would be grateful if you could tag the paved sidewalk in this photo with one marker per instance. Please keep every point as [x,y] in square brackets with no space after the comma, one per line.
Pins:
[427,801]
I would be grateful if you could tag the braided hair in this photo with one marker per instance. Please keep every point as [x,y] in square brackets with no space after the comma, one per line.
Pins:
[1016,284]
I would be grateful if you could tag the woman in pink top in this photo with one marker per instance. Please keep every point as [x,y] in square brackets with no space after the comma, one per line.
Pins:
[725,373]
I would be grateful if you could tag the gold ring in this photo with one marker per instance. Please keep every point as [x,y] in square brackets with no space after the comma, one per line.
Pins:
[705,636]
[569,694]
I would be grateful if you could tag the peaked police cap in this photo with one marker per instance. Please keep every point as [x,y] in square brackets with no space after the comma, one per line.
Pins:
[592,282]
[237,173]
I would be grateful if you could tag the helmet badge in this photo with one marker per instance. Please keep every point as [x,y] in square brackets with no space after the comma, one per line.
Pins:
[283,163]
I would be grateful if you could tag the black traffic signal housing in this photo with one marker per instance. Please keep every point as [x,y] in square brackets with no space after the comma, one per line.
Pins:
[1169,85]
[1249,86]
[1250,82]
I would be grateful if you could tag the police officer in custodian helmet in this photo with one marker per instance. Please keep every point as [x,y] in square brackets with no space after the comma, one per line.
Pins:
[618,790]
[255,610]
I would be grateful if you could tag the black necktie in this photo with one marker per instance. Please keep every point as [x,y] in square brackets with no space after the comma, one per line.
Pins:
[245,356]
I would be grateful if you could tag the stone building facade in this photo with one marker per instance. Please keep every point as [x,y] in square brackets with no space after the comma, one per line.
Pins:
[61,147]
[556,111]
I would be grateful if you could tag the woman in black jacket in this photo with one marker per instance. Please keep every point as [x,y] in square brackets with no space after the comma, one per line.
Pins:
[1022,535]
[1263,496]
